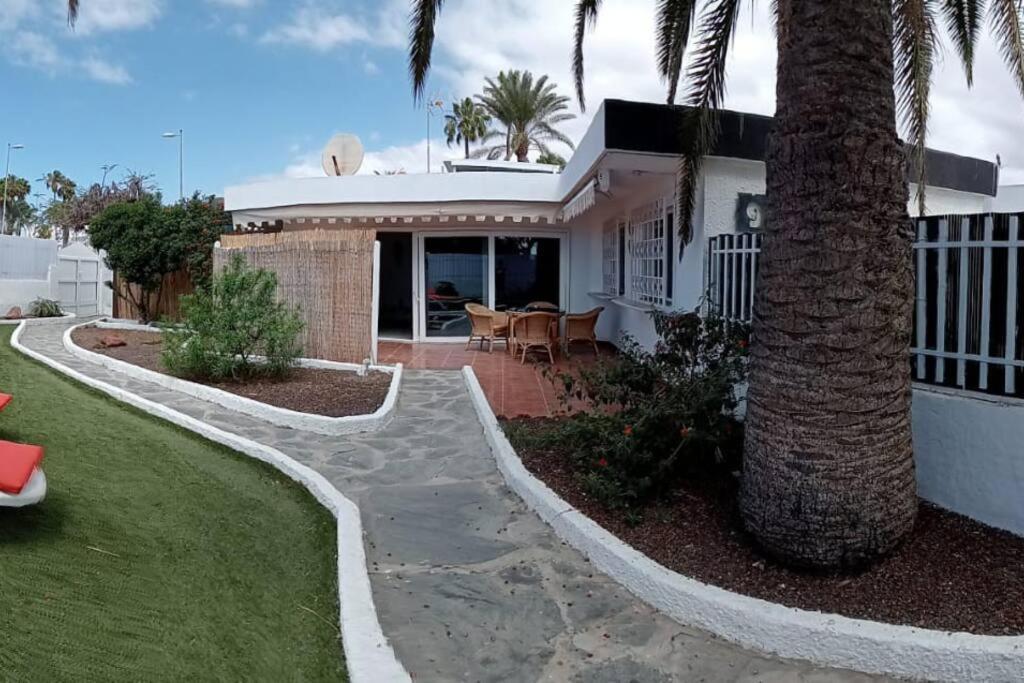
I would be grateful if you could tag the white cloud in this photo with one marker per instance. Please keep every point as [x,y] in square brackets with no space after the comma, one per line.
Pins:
[370,67]
[239,30]
[16,11]
[314,28]
[113,15]
[106,72]
[234,4]
[35,50]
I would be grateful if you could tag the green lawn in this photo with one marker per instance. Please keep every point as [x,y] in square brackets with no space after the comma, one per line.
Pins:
[156,555]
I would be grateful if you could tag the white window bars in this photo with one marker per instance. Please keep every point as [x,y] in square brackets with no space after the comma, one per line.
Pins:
[649,260]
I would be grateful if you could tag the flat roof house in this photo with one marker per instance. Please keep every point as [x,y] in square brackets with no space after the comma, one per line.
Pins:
[603,232]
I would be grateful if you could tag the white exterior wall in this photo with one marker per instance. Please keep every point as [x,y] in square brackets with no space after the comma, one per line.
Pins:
[715,214]
[967,449]
[1009,199]
[939,201]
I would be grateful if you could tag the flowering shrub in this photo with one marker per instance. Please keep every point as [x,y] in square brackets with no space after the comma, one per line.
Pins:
[652,417]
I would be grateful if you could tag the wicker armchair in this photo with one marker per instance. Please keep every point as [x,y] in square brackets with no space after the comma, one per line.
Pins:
[533,331]
[486,325]
[581,327]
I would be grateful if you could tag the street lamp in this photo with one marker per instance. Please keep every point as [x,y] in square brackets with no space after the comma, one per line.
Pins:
[434,106]
[7,175]
[181,153]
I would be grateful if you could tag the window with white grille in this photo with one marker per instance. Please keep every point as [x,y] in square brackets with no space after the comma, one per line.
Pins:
[650,236]
[612,247]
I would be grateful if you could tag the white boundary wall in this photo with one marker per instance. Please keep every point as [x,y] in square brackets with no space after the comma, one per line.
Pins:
[969,456]
[34,268]
[369,656]
[825,639]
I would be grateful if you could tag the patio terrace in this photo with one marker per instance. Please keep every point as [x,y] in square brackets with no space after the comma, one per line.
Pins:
[512,388]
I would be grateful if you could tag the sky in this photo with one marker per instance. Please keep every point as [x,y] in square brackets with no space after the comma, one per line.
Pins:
[259,86]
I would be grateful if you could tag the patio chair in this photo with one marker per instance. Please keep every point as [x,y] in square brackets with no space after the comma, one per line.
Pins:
[533,331]
[486,325]
[581,327]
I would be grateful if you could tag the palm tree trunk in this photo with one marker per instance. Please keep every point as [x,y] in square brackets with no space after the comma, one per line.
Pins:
[828,478]
[466,142]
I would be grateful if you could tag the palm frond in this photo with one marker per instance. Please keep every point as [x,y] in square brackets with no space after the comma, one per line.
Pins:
[704,97]
[963,21]
[421,41]
[675,17]
[914,44]
[1007,17]
[586,15]
[72,12]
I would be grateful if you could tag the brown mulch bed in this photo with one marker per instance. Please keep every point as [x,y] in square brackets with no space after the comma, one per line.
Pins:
[334,393]
[952,574]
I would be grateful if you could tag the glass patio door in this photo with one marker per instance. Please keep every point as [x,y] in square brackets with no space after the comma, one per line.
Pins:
[526,270]
[455,272]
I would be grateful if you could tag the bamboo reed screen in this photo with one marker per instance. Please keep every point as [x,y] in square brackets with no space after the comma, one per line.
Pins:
[328,275]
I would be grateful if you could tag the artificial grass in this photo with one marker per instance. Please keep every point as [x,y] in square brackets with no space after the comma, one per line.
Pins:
[156,555]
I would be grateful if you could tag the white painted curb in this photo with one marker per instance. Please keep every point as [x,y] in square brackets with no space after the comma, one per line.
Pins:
[369,656]
[39,321]
[283,417]
[825,639]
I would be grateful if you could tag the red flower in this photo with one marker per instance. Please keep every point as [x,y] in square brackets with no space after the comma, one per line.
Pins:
[684,432]
[742,343]
[602,462]
[628,431]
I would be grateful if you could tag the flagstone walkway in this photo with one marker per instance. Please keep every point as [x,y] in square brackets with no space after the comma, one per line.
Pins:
[468,583]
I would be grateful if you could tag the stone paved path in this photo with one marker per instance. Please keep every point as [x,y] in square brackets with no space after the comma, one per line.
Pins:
[468,583]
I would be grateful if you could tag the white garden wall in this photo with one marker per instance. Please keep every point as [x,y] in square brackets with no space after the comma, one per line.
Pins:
[969,453]
[35,268]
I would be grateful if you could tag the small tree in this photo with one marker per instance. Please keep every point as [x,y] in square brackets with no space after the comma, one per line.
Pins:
[198,224]
[138,238]
[231,322]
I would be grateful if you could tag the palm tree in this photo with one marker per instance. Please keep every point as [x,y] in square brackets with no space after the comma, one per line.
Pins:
[828,478]
[63,190]
[529,110]
[467,122]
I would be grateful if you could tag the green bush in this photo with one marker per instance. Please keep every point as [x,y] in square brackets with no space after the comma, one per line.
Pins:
[44,308]
[234,328]
[653,417]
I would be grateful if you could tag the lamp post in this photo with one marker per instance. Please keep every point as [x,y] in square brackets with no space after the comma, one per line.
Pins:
[434,105]
[181,156]
[7,175]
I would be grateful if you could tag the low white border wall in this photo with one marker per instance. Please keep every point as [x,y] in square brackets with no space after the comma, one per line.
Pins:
[283,417]
[38,321]
[368,655]
[826,639]
[968,455]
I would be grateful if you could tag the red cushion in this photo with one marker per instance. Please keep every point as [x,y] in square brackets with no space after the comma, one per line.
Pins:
[17,462]
[4,400]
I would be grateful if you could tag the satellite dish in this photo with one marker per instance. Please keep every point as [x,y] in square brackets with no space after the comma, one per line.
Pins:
[343,155]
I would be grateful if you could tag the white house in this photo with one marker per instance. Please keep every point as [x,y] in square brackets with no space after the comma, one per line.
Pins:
[601,233]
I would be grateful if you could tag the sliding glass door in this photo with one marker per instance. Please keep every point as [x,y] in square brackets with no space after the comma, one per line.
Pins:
[526,270]
[455,273]
[499,271]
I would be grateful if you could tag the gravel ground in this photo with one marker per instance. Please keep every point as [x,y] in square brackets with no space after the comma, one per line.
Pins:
[952,574]
[334,393]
